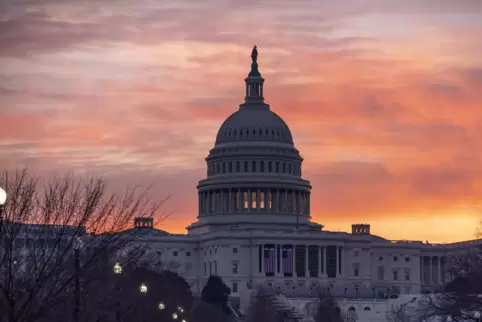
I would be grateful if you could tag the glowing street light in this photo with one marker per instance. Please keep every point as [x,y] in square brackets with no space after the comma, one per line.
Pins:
[117,269]
[174,316]
[183,320]
[3,196]
[180,309]
[162,306]
[143,288]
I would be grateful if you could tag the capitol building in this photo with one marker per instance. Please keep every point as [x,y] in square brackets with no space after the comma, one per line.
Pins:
[254,224]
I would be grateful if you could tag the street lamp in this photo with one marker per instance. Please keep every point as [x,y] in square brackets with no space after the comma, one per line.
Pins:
[143,288]
[174,316]
[3,199]
[117,272]
[162,306]
[180,309]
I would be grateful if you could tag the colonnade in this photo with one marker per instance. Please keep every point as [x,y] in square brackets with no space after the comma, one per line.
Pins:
[300,260]
[432,269]
[218,201]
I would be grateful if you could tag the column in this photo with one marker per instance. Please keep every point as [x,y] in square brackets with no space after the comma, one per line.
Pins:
[307,271]
[262,259]
[422,281]
[294,260]
[440,282]
[276,203]
[430,276]
[240,200]
[258,200]
[230,201]
[319,261]
[267,206]
[324,259]
[280,260]
[308,204]
[285,210]
[250,199]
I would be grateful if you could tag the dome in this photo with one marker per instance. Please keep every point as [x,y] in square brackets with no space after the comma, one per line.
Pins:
[254,124]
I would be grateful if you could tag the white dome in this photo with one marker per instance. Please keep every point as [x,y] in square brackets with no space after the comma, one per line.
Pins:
[254,124]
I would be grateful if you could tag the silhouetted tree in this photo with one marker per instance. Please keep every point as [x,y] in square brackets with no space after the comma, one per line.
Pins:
[462,295]
[262,310]
[328,311]
[58,239]
[215,292]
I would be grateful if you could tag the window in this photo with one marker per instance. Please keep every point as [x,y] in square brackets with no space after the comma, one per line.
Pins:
[381,273]
[174,253]
[395,275]
[356,253]
[230,166]
[407,275]
[269,166]
[407,259]
[277,166]
[395,258]
[367,308]
[235,250]
[238,168]
[245,166]
[188,254]
[253,167]
[380,258]
[235,287]
[261,166]
[235,267]
[356,271]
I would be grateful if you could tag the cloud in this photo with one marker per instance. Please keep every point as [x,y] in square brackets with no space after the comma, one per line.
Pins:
[388,121]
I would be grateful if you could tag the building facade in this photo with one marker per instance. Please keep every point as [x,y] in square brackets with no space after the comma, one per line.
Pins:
[254,223]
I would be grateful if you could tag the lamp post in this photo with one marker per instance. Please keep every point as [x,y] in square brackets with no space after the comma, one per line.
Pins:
[117,272]
[143,290]
[3,199]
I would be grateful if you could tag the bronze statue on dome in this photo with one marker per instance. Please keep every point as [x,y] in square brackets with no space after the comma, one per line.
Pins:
[254,54]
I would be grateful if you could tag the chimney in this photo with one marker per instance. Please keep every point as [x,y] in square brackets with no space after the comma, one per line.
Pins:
[143,222]
[360,229]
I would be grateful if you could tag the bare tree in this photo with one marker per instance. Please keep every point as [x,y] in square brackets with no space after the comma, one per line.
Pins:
[57,238]
[328,310]
[462,296]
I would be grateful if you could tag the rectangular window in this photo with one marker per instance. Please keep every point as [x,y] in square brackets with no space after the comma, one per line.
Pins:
[188,254]
[235,267]
[174,253]
[407,275]
[356,271]
[235,250]
[313,260]
[235,287]
[395,275]
[245,200]
[261,200]
[253,200]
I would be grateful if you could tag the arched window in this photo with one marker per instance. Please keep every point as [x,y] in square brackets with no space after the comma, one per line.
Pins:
[224,167]
[245,166]
[218,168]
[284,167]
[269,166]
[277,167]
[230,166]
[254,166]
[289,168]
[238,167]
[381,273]
[261,166]
[367,308]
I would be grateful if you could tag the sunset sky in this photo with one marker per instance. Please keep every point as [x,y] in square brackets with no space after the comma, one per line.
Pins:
[384,99]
